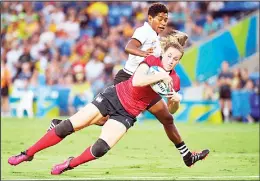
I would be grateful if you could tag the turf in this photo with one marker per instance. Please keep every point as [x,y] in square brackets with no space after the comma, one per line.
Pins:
[144,153]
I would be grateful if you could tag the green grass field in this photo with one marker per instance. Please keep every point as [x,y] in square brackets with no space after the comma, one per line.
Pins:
[145,153]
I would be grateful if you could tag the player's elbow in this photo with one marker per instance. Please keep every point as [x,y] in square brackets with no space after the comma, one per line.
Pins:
[128,48]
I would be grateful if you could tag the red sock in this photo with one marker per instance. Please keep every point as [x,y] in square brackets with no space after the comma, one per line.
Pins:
[86,156]
[49,139]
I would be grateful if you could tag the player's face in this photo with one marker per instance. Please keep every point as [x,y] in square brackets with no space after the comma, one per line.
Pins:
[171,58]
[159,22]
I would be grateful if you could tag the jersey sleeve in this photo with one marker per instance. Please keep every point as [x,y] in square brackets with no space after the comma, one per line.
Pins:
[151,61]
[140,35]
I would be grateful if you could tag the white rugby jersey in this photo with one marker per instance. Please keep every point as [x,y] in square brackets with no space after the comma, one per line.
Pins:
[149,39]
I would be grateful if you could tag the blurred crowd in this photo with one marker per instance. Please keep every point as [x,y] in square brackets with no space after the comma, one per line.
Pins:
[80,45]
[228,87]
[230,80]
[231,83]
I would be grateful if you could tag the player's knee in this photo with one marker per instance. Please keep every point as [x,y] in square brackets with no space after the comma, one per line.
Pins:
[102,121]
[166,119]
[100,148]
[64,128]
[56,121]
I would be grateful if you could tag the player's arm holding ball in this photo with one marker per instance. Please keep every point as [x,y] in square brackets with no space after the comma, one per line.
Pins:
[142,78]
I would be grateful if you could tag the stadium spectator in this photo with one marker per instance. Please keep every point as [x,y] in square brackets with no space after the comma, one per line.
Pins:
[94,70]
[194,31]
[70,26]
[249,86]
[57,15]
[5,85]
[245,77]
[210,26]
[26,56]
[95,67]
[224,85]
[236,80]
[81,92]
[228,21]
[26,96]
[255,103]
[53,71]
[198,17]
[12,57]
[177,15]
[24,75]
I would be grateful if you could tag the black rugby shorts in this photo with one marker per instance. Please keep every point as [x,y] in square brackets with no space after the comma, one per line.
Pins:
[108,104]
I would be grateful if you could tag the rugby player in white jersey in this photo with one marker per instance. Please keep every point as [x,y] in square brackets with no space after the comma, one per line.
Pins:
[144,42]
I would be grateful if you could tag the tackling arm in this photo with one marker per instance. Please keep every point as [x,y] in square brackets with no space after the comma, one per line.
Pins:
[133,48]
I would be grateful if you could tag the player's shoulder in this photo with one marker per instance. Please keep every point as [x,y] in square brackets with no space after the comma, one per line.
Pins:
[151,57]
[152,60]
[145,30]
[141,29]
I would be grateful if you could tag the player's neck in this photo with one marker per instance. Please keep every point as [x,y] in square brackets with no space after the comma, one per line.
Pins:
[152,28]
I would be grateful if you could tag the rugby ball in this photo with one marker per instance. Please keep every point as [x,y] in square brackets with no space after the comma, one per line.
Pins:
[160,87]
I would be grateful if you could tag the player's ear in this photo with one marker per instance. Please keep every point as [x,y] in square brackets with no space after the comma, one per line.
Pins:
[150,18]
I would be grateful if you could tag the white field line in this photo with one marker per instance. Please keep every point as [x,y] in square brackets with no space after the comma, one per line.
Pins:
[153,178]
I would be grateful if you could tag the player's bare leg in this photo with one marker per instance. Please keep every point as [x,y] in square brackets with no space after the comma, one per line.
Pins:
[85,117]
[160,111]
[102,121]
[112,132]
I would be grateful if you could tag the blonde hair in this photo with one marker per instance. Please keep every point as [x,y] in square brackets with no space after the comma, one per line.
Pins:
[175,39]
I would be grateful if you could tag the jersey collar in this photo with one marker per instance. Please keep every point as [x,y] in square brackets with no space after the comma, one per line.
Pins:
[146,24]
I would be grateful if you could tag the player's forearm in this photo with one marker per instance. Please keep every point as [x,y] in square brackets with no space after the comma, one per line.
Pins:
[133,50]
[173,107]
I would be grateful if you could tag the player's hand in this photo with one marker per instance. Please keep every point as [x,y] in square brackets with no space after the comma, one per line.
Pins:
[174,96]
[165,77]
[148,52]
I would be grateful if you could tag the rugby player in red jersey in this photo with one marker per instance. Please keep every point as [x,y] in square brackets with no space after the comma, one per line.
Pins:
[144,42]
[122,102]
